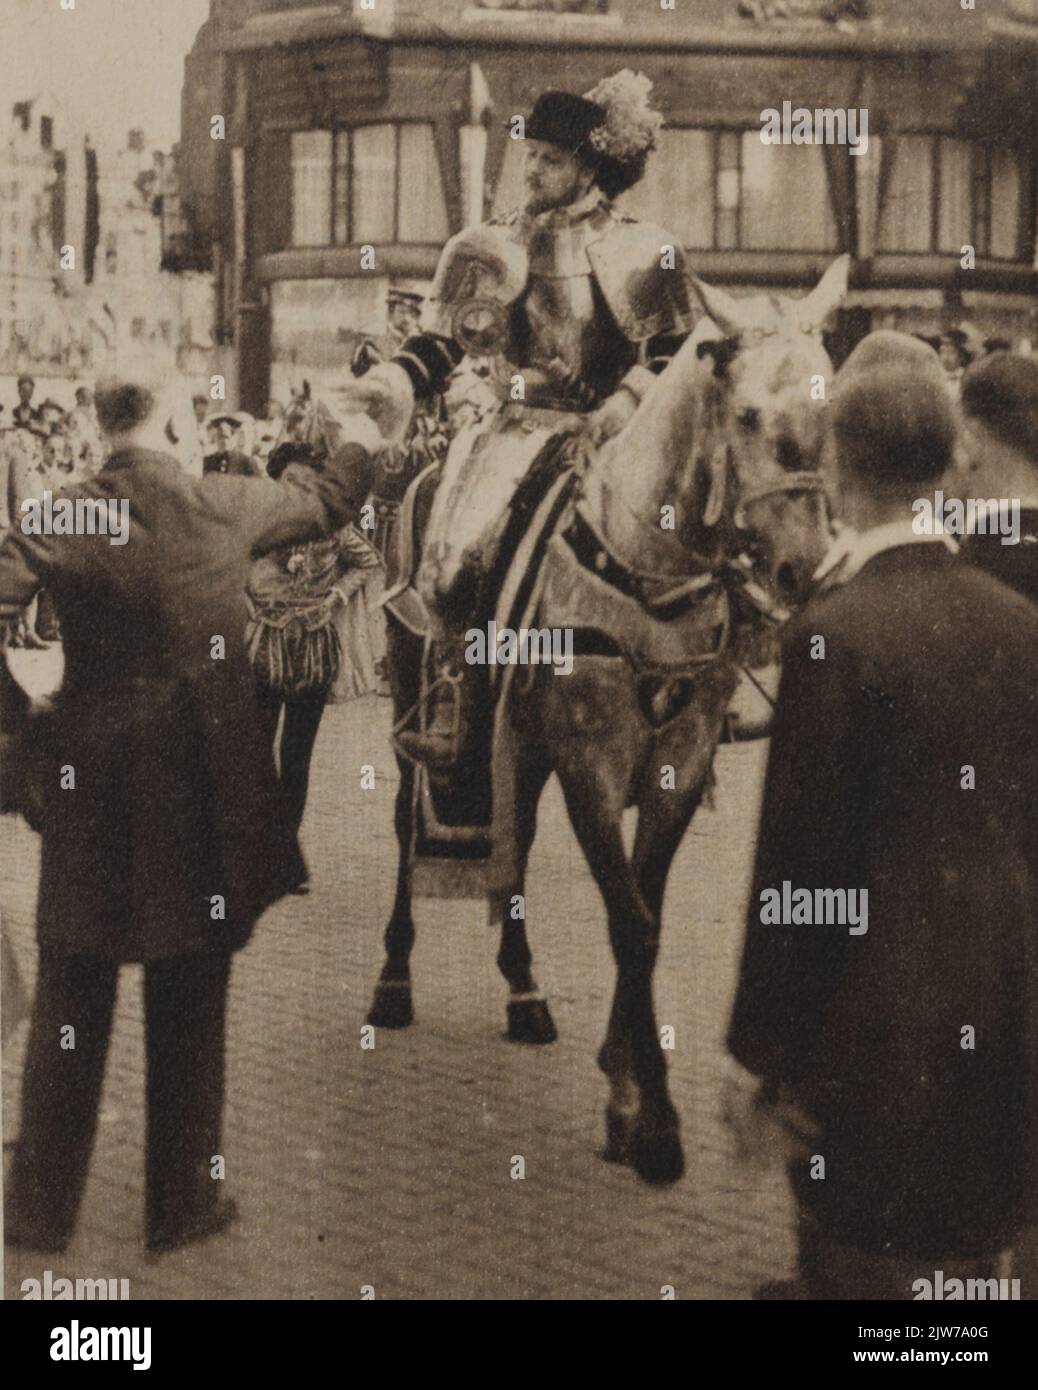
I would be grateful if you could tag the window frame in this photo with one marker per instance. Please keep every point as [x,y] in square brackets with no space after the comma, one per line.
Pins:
[981,155]
[345,130]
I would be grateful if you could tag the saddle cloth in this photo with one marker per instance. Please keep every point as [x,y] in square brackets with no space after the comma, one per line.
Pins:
[486,463]
[451,860]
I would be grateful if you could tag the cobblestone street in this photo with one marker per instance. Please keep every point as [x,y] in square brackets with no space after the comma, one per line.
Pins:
[391,1167]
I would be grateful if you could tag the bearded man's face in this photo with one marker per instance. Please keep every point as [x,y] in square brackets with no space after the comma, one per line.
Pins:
[552,177]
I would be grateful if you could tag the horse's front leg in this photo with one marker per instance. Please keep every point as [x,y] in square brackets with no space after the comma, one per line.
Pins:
[529,1018]
[596,771]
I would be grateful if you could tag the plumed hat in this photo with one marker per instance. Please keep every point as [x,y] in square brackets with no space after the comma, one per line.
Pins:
[564,119]
[612,128]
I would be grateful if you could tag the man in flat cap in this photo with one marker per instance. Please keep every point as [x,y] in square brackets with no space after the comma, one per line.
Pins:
[886,1007]
[230,451]
[575,306]
[403,315]
[164,831]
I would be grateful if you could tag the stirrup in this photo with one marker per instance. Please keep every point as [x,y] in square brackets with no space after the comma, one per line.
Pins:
[438,738]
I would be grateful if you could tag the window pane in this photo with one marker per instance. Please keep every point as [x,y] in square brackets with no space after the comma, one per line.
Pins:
[678,188]
[508,193]
[904,223]
[423,211]
[374,183]
[1005,204]
[311,187]
[785,197]
[955,211]
[342,188]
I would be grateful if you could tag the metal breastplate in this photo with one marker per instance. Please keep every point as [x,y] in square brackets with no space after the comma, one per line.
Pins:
[563,338]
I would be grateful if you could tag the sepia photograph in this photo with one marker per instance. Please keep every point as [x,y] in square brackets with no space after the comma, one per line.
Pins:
[519,658]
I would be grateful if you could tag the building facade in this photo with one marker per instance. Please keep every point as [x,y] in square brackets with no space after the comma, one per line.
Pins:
[85,274]
[353,138]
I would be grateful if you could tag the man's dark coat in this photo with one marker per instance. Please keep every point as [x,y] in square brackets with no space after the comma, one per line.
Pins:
[163,826]
[930,669]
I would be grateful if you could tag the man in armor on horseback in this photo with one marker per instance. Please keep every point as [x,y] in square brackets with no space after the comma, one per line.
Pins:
[574,306]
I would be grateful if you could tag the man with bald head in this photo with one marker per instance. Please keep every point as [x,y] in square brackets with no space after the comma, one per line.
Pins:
[885,1009]
[164,832]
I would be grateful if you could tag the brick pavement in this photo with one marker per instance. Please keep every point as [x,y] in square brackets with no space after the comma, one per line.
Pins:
[390,1167]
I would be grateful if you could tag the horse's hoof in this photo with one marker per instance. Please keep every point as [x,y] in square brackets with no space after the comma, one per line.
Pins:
[530,1021]
[619,1136]
[657,1156]
[391,1006]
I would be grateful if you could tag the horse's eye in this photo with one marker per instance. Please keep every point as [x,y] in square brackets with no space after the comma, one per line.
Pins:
[749,418]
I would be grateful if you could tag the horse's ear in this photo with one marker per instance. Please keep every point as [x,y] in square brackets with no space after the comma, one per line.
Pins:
[826,296]
[729,315]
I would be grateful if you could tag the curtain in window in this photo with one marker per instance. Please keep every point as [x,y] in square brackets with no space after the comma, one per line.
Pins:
[785,198]
[311,187]
[423,209]
[374,183]
[678,188]
[955,209]
[904,222]
[1005,204]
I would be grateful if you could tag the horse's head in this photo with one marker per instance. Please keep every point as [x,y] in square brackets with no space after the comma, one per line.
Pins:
[763,424]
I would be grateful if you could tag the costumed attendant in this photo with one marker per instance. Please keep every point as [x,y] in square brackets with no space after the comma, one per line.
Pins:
[309,636]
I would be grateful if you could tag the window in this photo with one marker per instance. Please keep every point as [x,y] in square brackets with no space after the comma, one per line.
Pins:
[311,187]
[372,183]
[904,223]
[943,193]
[677,191]
[785,198]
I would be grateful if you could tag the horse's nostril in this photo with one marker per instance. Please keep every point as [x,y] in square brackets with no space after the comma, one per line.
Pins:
[786,580]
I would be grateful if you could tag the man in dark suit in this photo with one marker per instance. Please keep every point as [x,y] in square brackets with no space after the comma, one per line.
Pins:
[164,834]
[1000,408]
[898,1042]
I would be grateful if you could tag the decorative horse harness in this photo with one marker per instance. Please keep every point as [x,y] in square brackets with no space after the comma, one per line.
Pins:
[660,608]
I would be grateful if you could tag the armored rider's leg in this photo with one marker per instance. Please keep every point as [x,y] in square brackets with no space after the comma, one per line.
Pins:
[453,695]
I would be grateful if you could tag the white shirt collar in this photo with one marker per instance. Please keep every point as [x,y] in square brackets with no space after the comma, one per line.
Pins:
[852,550]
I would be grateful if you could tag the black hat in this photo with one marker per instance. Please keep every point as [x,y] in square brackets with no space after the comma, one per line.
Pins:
[563,118]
